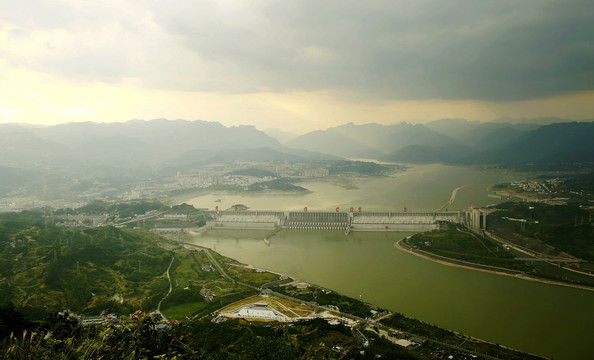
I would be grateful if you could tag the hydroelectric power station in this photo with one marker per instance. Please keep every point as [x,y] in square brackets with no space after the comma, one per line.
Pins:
[343,220]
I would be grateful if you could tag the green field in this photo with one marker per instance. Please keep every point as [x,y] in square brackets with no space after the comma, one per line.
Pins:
[567,228]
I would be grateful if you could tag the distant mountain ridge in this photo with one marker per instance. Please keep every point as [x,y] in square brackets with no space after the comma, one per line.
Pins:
[560,145]
[369,140]
[282,136]
[459,141]
[155,136]
[555,143]
[480,136]
[157,145]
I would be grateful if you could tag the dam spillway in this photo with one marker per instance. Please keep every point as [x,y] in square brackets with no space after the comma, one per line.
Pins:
[317,220]
[339,220]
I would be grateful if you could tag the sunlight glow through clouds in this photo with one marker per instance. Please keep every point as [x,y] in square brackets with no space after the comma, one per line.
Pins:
[280,65]
[42,99]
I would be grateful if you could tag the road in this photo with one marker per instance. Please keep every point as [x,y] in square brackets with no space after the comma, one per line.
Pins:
[452,198]
[158,311]
[140,218]
[538,256]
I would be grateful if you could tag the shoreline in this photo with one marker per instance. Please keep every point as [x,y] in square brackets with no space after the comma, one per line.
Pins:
[477,267]
[187,198]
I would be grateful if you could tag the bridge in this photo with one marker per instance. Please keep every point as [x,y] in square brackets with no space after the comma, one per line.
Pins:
[339,220]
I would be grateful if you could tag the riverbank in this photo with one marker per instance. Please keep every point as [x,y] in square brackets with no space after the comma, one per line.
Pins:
[189,195]
[478,267]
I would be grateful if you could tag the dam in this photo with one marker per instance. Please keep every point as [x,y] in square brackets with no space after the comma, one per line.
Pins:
[343,220]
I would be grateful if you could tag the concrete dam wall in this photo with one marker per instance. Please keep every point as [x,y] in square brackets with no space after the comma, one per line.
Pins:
[345,221]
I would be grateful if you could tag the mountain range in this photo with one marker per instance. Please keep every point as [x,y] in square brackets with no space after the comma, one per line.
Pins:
[369,140]
[459,141]
[156,145]
[137,144]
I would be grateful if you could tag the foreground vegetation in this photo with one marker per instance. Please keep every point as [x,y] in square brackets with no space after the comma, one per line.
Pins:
[139,338]
[438,336]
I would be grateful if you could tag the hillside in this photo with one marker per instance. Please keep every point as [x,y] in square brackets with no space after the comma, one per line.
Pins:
[137,145]
[561,146]
[51,269]
[63,161]
[556,145]
[133,144]
[429,154]
[480,136]
[283,137]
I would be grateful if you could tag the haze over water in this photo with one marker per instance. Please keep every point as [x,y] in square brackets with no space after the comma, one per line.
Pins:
[420,188]
[534,317]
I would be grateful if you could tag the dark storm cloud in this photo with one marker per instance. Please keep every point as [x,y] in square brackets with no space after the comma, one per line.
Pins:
[488,50]
[493,50]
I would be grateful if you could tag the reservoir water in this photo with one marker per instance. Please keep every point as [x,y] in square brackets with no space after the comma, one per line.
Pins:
[423,188]
[544,319]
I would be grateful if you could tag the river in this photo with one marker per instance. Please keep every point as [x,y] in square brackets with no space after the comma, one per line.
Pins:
[544,319]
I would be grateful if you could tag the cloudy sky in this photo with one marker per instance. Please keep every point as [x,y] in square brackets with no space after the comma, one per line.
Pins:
[295,65]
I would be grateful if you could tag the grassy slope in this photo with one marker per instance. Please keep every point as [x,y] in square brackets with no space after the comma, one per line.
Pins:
[90,270]
[461,245]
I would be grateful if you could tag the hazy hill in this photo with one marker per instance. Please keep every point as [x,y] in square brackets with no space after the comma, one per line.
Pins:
[479,135]
[332,142]
[137,144]
[20,148]
[282,136]
[173,134]
[429,154]
[76,157]
[11,178]
[369,140]
[201,157]
[531,121]
[563,143]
